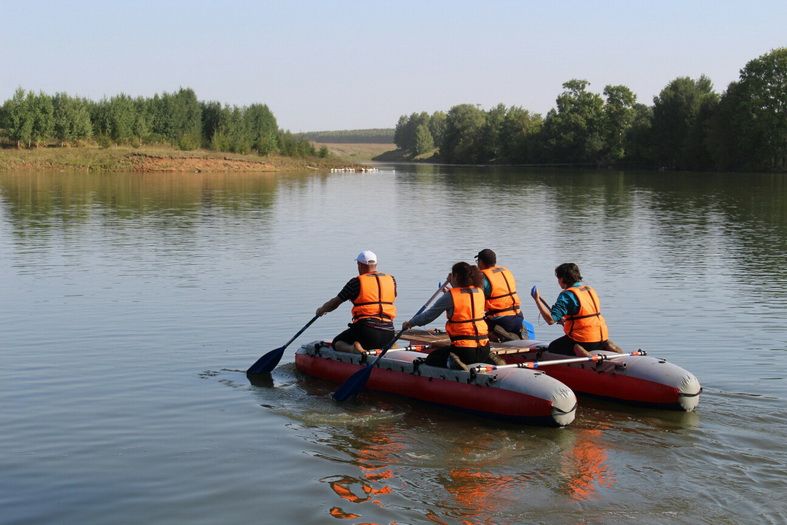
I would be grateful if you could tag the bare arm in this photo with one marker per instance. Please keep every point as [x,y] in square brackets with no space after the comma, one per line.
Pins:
[543,307]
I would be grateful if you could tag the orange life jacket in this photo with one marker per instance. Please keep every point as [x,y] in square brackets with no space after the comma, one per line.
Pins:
[503,299]
[376,298]
[587,325]
[466,326]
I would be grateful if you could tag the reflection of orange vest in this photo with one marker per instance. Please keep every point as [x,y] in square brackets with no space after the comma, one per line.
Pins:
[466,326]
[502,300]
[376,298]
[587,325]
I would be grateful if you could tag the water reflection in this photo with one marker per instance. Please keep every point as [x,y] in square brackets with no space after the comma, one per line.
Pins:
[38,200]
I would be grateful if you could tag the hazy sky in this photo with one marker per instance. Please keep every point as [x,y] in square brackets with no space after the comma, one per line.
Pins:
[327,64]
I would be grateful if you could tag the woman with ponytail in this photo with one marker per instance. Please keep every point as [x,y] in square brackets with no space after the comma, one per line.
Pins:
[463,305]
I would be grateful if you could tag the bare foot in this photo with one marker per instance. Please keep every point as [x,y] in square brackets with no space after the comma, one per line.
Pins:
[580,351]
[458,362]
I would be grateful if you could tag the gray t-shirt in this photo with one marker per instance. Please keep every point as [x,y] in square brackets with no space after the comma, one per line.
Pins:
[443,304]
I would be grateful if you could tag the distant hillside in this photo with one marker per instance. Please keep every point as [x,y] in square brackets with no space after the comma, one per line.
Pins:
[351,136]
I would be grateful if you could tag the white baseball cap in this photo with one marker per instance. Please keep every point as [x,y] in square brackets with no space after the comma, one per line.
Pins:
[367,257]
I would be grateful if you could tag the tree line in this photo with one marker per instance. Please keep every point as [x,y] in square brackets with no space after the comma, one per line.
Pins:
[688,127]
[351,136]
[32,119]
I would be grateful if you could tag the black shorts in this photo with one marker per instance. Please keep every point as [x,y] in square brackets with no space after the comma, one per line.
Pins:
[369,337]
[565,345]
[468,355]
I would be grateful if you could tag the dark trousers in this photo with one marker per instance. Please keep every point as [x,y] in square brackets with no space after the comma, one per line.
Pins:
[369,337]
[467,355]
[565,345]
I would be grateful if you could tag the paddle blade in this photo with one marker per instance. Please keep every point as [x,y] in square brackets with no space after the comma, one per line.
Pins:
[266,363]
[353,385]
[530,330]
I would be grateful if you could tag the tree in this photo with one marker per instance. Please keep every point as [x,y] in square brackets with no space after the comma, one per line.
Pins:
[71,119]
[676,129]
[399,132]
[618,117]
[520,135]
[19,118]
[462,139]
[437,124]
[423,140]
[43,113]
[211,120]
[639,145]
[262,128]
[186,119]
[492,135]
[754,111]
[574,131]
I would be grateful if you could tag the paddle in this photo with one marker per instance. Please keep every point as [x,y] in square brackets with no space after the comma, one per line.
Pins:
[536,364]
[268,362]
[356,382]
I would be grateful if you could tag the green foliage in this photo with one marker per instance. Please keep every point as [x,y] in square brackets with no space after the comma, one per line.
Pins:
[19,118]
[749,130]
[678,122]
[618,117]
[293,146]
[71,119]
[521,136]
[574,132]
[437,124]
[423,140]
[176,118]
[43,114]
[462,141]
[261,125]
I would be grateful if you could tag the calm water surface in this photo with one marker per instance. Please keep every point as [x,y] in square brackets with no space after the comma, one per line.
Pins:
[132,304]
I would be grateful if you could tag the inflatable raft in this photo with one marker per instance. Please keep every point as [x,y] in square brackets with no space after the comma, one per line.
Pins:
[515,394]
[642,380]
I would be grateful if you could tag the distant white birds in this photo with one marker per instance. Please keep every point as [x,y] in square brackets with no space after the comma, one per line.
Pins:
[360,170]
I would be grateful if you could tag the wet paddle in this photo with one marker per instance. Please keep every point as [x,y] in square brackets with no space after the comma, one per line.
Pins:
[268,362]
[356,382]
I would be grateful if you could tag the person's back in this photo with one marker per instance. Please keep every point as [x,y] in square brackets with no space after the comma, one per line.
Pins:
[373,295]
[578,309]
[503,312]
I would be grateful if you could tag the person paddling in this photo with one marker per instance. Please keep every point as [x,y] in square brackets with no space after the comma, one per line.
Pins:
[465,325]
[503,314]
[579,309]
[373,295]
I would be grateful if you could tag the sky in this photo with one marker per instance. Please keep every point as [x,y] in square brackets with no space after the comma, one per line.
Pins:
[332,64]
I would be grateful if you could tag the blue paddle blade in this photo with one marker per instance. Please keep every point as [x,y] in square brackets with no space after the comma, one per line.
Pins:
[267,363]
[353,385]
[529,329]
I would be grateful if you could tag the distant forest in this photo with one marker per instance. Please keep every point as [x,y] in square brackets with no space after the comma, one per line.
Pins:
[688,127]
[31,119]
[355,136]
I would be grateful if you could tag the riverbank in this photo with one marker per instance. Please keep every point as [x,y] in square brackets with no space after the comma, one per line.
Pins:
[151,159]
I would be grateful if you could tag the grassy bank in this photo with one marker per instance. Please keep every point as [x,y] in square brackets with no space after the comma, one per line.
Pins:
[151,159]
[356,152]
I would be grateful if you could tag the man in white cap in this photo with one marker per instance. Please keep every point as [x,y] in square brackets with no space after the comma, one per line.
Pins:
[372,294]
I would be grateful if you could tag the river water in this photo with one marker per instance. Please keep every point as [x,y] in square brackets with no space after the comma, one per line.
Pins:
[133,303]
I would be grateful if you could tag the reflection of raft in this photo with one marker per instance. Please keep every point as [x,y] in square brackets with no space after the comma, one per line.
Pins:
[514,394]
[642,380]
